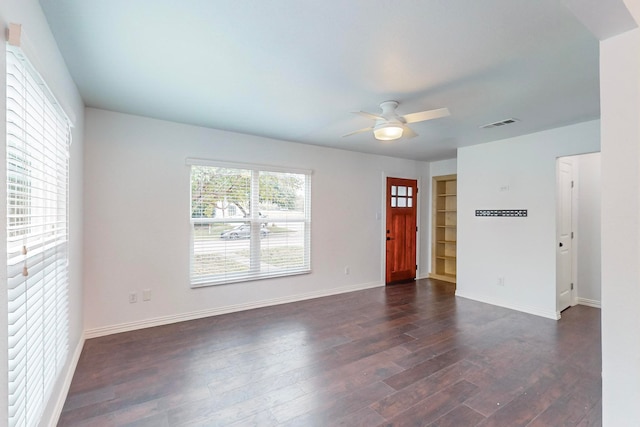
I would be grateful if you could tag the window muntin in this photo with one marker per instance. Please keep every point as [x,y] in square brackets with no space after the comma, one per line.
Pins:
[401,196]
[232,241]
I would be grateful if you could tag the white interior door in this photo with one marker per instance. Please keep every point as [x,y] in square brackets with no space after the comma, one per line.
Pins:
[564,263]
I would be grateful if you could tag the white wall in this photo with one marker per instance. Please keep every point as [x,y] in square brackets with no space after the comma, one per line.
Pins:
[588,280]
[443,167]
[515,173]
[620,109]
[439,168]
[424,221]
[43,51]
[137,219]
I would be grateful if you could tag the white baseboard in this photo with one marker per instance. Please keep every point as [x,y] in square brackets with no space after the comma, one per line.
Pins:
[64,389]
[589,302]
[165,320]
[518,307]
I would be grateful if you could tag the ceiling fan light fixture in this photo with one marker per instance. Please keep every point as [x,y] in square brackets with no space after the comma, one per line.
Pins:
[389,125]
[387,132]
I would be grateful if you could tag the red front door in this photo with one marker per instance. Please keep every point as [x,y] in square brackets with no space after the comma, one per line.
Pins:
[402,201]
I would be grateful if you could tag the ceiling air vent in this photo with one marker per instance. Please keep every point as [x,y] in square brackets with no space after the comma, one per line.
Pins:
[500,123]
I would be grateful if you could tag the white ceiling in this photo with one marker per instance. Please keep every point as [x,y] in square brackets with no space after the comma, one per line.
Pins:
[295,69]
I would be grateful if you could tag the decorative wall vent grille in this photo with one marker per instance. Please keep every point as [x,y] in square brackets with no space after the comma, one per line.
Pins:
[502,212]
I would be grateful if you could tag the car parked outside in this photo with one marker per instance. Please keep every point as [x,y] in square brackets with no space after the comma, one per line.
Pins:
[242,231]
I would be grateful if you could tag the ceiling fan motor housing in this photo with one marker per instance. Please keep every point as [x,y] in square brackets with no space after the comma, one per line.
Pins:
[389,110]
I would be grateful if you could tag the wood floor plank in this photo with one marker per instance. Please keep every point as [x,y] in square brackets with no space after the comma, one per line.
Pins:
[124,414]
[91,397]
[429,339]
[376,343]
[158,420]
[221,411]
[435,406]
[366,417]
[508,386]
[408,354]
[594,417]
[570,409]
[461,416]
[353,375]
[400,401]
[534,399]
[432,351]
[426,368]
[329,408]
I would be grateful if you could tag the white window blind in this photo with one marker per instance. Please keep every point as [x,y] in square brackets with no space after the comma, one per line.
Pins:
[38,137]
[248,223]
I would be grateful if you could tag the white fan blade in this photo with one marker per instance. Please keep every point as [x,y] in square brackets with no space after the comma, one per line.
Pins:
[369,115]
[359,131]
[407,132]
[426,115]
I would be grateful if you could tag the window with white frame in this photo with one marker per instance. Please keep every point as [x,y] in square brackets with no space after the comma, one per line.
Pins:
[248,222]
[37,163]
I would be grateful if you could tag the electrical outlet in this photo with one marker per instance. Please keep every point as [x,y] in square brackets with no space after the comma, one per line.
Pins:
[501,281]
[146,295]
[347,270]
[133,297]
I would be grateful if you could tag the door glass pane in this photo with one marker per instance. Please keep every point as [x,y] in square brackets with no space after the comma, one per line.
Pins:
[410,201]
[393,202]
[410,189]
[402,202]
[393,190]
[402,190]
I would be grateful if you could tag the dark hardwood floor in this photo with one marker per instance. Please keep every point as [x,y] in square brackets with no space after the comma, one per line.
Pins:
[410,354]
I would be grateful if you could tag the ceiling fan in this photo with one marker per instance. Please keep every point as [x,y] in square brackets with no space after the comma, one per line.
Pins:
[389,125]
